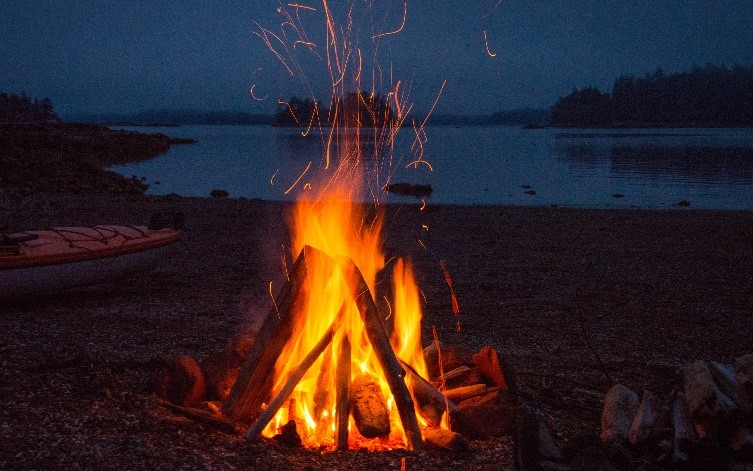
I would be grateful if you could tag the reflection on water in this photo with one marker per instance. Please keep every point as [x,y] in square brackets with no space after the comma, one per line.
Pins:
[710,168]
[694,164]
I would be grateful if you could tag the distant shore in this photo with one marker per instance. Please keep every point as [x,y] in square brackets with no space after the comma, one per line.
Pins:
[71,158]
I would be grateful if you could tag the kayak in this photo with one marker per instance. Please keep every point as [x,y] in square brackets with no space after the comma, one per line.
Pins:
[41,261]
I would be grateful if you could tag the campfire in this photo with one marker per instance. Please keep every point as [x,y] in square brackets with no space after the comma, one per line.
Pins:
[333,365]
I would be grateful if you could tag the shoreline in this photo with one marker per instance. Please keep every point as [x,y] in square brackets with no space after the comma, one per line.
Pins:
[654,289]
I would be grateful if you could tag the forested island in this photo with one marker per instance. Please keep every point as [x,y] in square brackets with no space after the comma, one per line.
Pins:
[711,96]
[40,153]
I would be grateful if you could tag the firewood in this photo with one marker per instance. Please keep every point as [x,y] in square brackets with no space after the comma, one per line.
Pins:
[342,394]
[488,362]
[369,407]
[493,414]
[684,433]
[211,419]
[742,442]
[447,439]
[727,381]
[220,371]
[295,377]
[646,418]
[744,370]
[394,374]
[433,403]
[466,392]
[707,404]
[181,382]
[620,406]
[255,377]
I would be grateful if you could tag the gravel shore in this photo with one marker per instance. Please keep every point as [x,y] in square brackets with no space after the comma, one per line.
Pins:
[575,299]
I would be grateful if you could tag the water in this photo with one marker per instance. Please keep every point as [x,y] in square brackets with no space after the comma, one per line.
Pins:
[653,168]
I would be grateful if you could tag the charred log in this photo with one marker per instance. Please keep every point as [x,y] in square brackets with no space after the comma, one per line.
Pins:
[369,407]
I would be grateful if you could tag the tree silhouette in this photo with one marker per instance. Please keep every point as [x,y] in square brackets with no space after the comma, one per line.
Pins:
[22,109]
[705,96]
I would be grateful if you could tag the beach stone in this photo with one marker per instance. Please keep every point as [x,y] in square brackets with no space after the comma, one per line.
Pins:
[181,382]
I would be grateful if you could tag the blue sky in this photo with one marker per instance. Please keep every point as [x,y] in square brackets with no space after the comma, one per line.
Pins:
[130,55]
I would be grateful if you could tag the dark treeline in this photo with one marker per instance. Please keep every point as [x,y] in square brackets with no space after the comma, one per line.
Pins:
[355,109]
[705,96]
[22,109]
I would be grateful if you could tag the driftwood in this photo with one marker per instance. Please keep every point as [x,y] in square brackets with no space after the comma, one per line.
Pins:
[488,362]
[181,382]
[393,372]
[295,377]
[466,392]
[369,407]
[684,433]
[255,377]
[646,419]
[211,419]
[342,394]
[707,404]
[433,403]
[620,406]
[727,381]
[744,370]
[447,439]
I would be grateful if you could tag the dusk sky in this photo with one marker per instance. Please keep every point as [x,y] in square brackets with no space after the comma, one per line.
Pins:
[124,56]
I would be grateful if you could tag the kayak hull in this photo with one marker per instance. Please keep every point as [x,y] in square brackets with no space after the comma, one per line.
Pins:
[61,258]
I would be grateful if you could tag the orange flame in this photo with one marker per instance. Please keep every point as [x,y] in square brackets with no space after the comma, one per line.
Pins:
[331,219]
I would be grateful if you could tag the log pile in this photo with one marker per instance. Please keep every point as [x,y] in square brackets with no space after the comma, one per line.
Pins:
[706,423]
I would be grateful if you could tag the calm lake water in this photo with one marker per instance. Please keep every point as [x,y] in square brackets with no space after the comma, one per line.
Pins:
[653,168]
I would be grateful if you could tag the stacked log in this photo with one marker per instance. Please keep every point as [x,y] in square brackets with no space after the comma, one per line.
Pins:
[705,424]
[480,390]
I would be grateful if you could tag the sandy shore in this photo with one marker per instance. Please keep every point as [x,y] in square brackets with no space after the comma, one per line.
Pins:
[649,290]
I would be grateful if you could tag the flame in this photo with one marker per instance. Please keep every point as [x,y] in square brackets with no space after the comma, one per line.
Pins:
[331,217]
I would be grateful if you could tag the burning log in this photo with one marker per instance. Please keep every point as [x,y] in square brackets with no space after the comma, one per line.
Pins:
[342,395]
[255,377]
[620,406]
[447,439]
[290,384]
[646,419]
[433,403]
[369,407]
[393,372]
